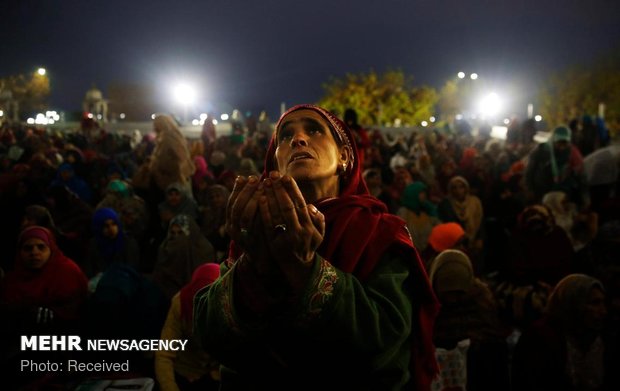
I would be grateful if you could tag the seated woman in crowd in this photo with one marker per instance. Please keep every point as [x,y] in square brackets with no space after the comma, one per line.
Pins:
[184,249]
[45,289]
[538,250]
[178,201]
[191,368]
[567,349]
[72,216]
[581,227]
[131,209]
[41,216]
[110,244]
[466,209]
[419,213]
[213,220]
[444,236]
[469,312]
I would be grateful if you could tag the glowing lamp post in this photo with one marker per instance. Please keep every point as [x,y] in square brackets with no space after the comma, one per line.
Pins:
[185,95]
[41,71]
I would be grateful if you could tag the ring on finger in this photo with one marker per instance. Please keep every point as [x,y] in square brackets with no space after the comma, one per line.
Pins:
[279,229]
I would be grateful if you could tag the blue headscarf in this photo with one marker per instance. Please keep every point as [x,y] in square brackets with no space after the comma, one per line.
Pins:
[108,247]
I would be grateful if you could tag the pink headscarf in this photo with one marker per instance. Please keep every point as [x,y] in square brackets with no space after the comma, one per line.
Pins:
[202,170]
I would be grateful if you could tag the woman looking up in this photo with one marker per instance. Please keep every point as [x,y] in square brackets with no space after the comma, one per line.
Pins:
[322,285]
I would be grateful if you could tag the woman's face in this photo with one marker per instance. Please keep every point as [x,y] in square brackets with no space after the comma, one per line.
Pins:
[66,175]
[307,150]
[173,197]
[110,229]
[35,253]
[422,197]
[458,190]
[373,180]
[175,231]
[402,177]
[595,312]
[218,200]
[448,168]
[561,145]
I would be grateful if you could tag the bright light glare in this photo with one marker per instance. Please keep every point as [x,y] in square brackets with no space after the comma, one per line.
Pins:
[432,119]
[506,121]
[30,121]
[490,104]
[152,116]
[473,76]
[459,117]
[424,123]
[195,122]
[203,116]
[1,113]
[538,118]
[122,116]
[41,71]
[52,117]
[214,122]
[499,132]
[90,115]
[461,75]
[41,119]
[224,117]
[184,94]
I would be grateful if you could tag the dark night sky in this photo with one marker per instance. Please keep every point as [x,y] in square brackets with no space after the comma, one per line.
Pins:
[255,54]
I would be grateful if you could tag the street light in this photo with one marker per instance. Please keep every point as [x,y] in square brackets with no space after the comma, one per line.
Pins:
[473,76]
[185,95]
[461,75]
[41,71]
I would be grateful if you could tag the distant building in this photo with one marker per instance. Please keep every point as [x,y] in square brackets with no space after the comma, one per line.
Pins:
[132,102]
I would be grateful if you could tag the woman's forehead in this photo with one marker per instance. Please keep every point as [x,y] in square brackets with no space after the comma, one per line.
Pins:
[301,115]
[34,241]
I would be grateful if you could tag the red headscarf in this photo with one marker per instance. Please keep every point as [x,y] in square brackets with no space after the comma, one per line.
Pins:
[204,275]
[359,230]
[54,285]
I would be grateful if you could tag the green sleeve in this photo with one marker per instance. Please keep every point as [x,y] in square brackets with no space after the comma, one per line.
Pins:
[374,315]
[370,320]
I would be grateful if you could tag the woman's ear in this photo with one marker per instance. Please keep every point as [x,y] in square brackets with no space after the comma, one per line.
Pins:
[345,156]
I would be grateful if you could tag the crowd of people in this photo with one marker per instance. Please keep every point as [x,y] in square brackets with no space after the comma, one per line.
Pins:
[317,251]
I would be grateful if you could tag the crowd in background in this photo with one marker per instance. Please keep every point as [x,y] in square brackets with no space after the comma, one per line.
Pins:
[521,240]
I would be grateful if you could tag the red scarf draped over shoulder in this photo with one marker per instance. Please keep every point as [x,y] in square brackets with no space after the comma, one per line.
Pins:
[204,275]
[359,231]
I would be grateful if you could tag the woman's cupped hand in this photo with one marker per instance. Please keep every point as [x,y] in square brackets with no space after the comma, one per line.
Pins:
[275,227]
